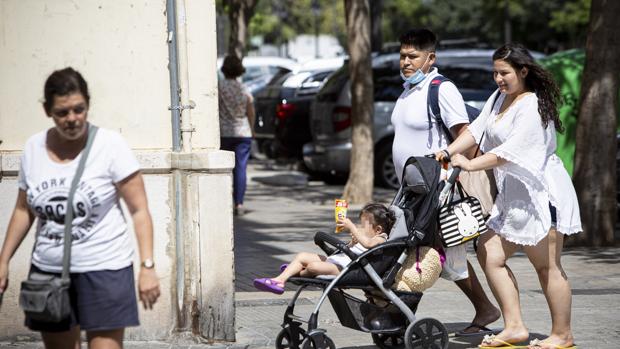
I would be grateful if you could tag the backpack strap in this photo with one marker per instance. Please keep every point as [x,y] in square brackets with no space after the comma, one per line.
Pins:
[434,112]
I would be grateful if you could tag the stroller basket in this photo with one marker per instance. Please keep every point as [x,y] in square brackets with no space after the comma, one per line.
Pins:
[363,315]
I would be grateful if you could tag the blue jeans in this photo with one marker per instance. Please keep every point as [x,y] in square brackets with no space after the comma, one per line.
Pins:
[241,146]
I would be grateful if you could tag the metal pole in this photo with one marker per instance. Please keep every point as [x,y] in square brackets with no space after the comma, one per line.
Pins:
[173,68]
[186,104]
[176,147]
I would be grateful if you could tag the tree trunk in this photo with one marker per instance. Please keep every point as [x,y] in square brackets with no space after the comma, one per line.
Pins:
[239,14]
[376,12]
[361,176]
[595,148]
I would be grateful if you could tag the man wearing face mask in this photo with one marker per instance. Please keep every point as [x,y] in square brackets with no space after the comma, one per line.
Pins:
[415,134]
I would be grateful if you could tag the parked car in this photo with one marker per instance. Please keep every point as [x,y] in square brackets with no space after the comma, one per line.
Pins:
[282,108]
[330,118]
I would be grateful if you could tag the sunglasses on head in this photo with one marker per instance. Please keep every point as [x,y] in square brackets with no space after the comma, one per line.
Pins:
[78,109]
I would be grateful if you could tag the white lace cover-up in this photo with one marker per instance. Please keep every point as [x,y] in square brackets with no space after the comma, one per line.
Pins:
[533,175]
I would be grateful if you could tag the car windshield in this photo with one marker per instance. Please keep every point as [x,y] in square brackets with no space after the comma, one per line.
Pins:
[252,73]
[469,77]
[333,86]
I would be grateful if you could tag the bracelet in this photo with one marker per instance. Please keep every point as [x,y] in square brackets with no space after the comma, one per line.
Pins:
[445,151]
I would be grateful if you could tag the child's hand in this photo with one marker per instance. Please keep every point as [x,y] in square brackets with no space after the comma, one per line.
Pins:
[346,224]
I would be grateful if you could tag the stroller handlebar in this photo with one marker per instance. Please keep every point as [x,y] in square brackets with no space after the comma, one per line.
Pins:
[449,184]
[321,238]
[455,173]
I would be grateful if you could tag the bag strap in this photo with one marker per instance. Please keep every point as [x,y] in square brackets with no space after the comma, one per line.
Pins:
[66,259]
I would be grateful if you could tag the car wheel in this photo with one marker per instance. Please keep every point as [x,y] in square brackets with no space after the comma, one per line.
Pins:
[385,173]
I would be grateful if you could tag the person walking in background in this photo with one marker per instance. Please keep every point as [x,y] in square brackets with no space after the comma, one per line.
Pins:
[536,204]
[417,135]
[237,115]
[102,292]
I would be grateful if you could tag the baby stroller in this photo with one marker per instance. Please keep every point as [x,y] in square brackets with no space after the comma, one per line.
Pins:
[391,321]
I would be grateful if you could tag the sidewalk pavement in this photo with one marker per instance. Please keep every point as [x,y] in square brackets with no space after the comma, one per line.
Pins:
[284,213]
[283,219]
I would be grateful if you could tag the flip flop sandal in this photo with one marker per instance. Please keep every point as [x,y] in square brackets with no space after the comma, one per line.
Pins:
[283,266]
[482,330]
[268,285]
[537,343]
[490,338]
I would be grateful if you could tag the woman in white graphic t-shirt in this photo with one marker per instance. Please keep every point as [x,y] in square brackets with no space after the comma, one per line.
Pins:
[103,300]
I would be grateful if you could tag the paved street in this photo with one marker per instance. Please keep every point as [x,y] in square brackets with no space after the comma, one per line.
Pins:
[283,220]
[285,211]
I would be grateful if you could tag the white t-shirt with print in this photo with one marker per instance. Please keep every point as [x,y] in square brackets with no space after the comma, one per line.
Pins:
[412,136]
[100,239]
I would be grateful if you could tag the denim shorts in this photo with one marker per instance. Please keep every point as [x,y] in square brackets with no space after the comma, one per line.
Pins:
[100,300]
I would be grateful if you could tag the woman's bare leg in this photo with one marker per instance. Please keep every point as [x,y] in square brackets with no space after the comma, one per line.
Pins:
[546,260]
[493,251]
[62,340]
[111,339]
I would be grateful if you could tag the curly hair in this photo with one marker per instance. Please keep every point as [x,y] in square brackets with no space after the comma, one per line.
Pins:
[381,216]
[537,80]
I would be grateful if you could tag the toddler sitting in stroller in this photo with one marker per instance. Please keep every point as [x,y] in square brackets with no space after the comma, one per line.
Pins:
[376,223]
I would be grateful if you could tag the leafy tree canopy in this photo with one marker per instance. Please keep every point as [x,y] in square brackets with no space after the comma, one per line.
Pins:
[546,26]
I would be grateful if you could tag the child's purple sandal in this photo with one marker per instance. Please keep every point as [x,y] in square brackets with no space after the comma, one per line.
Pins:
[268,285]
[283,266]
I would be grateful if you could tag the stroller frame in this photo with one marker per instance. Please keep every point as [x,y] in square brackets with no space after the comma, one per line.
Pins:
[418,333]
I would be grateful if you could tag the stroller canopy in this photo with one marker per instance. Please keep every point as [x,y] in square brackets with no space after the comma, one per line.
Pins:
[416,203]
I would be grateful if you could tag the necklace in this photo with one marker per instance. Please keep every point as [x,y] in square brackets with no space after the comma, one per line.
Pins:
[501,113]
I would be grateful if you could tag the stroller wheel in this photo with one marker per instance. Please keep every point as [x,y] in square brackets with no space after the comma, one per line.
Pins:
[284,340]
[318,341]
[389,341]
[426,333]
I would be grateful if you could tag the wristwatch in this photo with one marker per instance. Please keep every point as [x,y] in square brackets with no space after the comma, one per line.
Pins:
[148,264]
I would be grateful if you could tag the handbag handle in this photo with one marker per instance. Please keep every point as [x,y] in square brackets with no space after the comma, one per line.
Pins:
[66,258]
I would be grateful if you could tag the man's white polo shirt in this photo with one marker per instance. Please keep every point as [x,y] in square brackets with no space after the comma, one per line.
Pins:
[413,134]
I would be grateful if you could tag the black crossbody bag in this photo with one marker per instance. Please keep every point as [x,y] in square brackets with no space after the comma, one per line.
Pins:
[45,297]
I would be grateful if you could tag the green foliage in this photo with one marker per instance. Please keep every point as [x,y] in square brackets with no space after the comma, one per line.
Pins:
[572,18]
[545,26]
[281,20]
[541,25]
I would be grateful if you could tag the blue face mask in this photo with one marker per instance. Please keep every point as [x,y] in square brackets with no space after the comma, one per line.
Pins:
[416,77]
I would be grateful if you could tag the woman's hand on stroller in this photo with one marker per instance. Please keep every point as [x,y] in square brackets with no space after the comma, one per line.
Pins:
[442,156]
[461,161]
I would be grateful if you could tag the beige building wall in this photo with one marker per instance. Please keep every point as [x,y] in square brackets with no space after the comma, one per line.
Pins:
[121,49]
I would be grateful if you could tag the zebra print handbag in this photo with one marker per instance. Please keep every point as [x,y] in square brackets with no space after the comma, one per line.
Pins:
[460,220]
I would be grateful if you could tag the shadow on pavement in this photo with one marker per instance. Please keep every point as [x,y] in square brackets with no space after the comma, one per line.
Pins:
[284,211]
[596,255]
